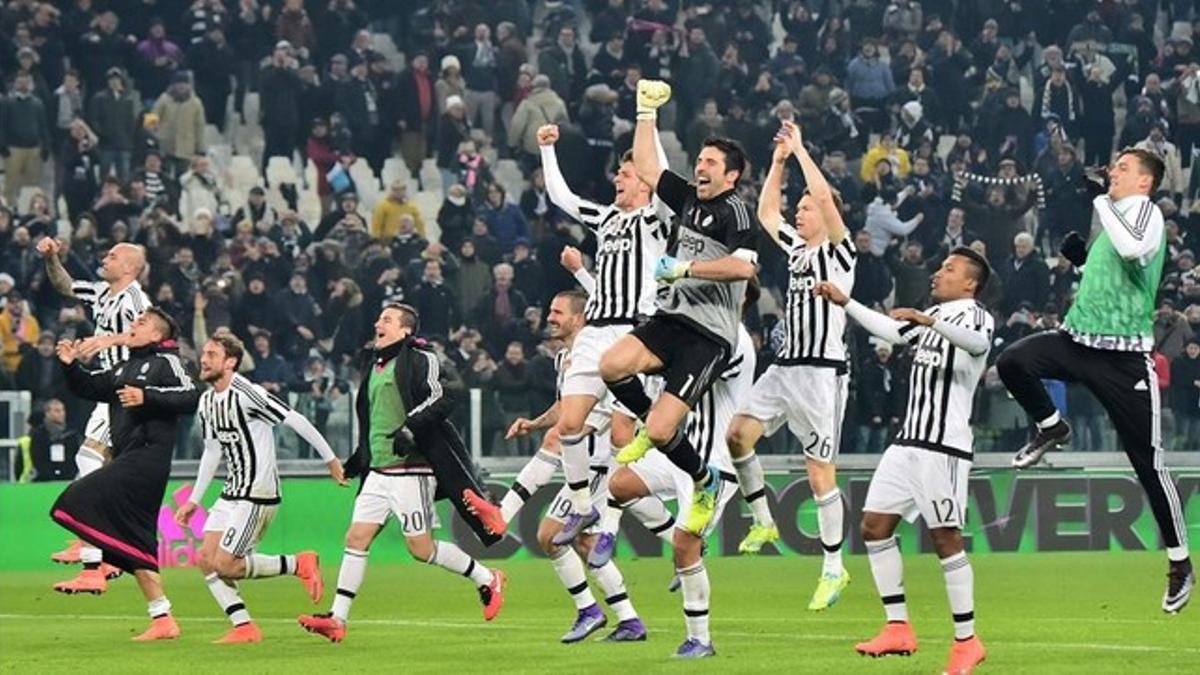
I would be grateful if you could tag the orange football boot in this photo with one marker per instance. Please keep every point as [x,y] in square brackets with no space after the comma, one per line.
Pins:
[897,637]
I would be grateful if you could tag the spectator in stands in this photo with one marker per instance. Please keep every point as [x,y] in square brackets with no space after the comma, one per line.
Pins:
[1098,124]
[385,222]
[347,207]
[1185,396]
[911,272]
[511,382]
[708,123]
[481,59]
[280,90]
[66,105]
[270,370]
[215,65]
[527,272]
[52,443]
[418,111]
[317,389]
[294,26]
[882,222]
[39,371]
[19,330]
[451,83]
[1171,330]
[199,188]
[869,83]
[1025,276]
[455,217]
[436,302]
[343,324]
[498,313]
[565,67]
[697,76]
[453,130]
[504,219]
[407,245]
[113,115]
[298,319]
[1156,142]
[181,123]
[105,48]
[877,411]
[359,102]
[998,217]
[80,169]
[474,278]
[542,106]
[24,138]
[158,57]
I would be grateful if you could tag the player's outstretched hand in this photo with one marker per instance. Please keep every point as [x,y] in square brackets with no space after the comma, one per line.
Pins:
[912,316]
[521,427]
[92,346]
[131,397]
[571,259]
[547,134]
[834,294]
[670,269]
[49,246]
[184,513]
[652,95]
[337,472]
[790,133]
[67,351]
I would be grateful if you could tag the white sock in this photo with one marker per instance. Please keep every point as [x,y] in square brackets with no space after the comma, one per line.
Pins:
[449,556]
[651,512]
[569,568]
[610,517]
[830,512]
[754,488]
[226,595]
[537,472]
[612,583]
[576,471]
[90,555]
[888,569]
[694,580]
[960,589]
[1177,553]
[350,577]
[87,460]
[259,566]
[1050,421]
[159,607]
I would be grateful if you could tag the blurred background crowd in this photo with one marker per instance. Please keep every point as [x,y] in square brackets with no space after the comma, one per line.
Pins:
[290,166]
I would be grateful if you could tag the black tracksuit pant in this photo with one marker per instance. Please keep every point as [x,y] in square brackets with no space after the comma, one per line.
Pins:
[1126,385]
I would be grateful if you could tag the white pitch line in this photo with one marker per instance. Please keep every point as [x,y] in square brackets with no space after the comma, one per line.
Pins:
[1087,646]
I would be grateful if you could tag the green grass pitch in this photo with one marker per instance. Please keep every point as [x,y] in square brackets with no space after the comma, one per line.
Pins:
[1042,613]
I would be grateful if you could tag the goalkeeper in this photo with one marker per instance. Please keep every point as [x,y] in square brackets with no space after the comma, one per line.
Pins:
[702,285]
[1105,345]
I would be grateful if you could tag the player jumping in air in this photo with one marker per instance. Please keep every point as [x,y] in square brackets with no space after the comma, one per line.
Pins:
[926,469]
[402,423]
[695,326]
[806,385]
[237,420]
[1105,345]
[114,303]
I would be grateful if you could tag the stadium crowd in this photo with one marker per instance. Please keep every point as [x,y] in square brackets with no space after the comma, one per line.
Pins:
[941,123]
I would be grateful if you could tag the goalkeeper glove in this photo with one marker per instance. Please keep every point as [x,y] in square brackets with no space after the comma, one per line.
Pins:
[651,95]
[1095,183]
[1074,248]
[403,441]
[669,269]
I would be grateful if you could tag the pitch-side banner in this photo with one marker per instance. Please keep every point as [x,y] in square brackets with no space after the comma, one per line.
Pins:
[1052,511]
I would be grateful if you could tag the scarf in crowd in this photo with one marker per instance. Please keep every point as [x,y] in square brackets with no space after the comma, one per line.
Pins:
[1048,89]
[1034,180]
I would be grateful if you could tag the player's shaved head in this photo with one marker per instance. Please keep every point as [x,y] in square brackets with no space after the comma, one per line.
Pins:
[123,263]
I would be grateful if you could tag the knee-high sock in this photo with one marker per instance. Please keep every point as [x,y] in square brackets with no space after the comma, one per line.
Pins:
[449,556]
[261,566]
[88,460]
[632,394]
[226,595]
[754,488]
[651,512]
[888,569]
[683,455]
[960,589]
[350,577]
[613,584]
[569,569]
[694,580]
[830,512]
[537,472]
[577,473]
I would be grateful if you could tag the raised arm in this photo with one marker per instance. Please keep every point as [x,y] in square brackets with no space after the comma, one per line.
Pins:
[50,249]
[556,186]
[651,95]
[572,260]
[1136,235]
[969,331]
[818,186]
[94,386]
[770,199]
[877,324]
[174,391]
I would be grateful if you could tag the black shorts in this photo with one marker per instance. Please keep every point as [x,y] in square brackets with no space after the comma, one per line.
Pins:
[692,361]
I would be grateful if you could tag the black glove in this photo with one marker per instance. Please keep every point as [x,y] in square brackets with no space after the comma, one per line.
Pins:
[358,464]
[403,442]
[1095,183]
[1074,248]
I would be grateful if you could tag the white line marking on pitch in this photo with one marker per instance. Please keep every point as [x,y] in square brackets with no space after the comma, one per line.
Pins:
[526,626]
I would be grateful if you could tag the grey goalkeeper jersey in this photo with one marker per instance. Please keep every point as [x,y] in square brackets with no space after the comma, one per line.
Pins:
[707,230]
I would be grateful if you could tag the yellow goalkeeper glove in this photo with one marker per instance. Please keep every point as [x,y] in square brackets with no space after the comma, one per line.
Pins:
[651,95]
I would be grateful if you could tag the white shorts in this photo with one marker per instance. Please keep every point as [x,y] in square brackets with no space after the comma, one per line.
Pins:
[242,524]
[667,481]
[811,399]
[409,497]
[583,374]
[97,428]
[913,481]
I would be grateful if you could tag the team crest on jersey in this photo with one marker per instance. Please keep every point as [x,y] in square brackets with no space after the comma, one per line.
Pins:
[120,370]
[703,223]
[145,368]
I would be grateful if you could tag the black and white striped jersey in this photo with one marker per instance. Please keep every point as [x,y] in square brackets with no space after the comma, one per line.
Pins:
[708,422]
[942,381]
[814,329]
[242,419]
[112,313]
[628,245]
